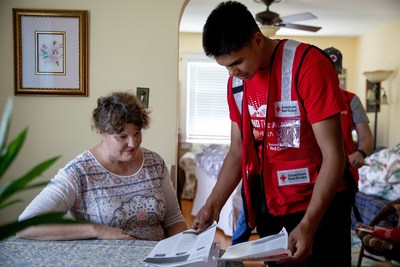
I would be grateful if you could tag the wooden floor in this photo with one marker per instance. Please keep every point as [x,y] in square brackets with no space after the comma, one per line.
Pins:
[225,241]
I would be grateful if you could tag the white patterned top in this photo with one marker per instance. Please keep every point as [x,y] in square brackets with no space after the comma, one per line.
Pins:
[142,204]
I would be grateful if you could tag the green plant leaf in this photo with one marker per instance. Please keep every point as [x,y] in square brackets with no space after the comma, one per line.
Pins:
[48,218]
[31,186]
[9,153]
[12,202]
[21,183]
[7,187]
[5,123]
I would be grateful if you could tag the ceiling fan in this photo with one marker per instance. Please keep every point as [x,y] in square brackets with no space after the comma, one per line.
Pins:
[269,18]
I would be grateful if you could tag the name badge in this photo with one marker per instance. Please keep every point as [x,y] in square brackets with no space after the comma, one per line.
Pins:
[287,109]
[297,176]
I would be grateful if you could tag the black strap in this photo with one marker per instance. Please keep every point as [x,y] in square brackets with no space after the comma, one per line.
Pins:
[348,176]
[356,211]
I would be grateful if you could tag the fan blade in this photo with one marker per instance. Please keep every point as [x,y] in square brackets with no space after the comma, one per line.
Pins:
[297,17]
[301,27]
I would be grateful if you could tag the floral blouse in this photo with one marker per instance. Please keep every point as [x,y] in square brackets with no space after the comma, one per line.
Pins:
[142,204]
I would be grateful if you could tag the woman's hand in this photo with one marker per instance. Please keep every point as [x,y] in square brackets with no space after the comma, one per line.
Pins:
[106,232]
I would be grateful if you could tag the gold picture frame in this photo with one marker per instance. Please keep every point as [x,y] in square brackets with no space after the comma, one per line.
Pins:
[51,52]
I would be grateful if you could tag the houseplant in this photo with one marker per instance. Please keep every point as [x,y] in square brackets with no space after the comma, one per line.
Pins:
[8,153]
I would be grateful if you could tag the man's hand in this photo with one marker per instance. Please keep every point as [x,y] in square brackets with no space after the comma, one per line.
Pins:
[205,218]
[300,243]
[356,160]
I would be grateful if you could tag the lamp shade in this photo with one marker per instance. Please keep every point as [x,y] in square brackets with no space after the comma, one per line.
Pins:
[378,75]
[269,30]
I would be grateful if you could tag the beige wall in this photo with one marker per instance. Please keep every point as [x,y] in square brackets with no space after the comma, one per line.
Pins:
[132,44]
[379,50]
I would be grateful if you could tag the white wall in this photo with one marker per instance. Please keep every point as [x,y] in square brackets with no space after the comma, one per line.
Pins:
[132,43]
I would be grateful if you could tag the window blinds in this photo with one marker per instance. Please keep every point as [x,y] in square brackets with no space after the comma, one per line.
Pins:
[207,114]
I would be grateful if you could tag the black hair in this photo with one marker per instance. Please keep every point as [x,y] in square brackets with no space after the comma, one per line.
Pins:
[228,28]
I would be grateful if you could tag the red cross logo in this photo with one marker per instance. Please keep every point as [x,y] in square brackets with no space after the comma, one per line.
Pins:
[283,178]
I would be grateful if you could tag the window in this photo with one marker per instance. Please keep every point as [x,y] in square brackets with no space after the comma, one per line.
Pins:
[205,114]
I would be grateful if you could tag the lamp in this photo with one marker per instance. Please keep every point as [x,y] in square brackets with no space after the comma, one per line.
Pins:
[374,98]
[378,75]
[371,95]
[384,100]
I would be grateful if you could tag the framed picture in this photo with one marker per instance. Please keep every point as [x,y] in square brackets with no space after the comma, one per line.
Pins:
[51,52]
[373,97]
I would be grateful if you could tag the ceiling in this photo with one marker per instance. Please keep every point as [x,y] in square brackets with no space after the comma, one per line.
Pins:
[336,17]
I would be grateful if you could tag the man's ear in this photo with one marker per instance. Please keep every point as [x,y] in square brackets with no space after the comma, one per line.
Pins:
[258,39]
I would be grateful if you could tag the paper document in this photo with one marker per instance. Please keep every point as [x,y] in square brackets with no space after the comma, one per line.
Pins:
[269,248]
[189,248]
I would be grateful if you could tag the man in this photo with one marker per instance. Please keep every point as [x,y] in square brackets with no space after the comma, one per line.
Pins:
[353,117]
[284,102]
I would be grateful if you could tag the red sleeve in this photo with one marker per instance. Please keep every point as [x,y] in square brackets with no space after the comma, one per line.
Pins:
[234,113]
[319,87]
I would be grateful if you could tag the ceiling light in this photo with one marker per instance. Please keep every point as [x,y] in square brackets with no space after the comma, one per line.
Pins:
[269,30]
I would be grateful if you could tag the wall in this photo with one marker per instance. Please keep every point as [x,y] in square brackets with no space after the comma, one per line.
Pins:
[132,43]
[379,50]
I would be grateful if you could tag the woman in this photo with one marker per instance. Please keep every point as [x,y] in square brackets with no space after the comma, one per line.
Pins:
[121,189]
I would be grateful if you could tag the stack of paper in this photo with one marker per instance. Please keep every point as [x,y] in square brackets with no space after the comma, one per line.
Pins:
[196,249]
[269,248]
[189,248]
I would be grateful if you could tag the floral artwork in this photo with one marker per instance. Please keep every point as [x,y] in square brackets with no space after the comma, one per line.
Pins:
[50,53]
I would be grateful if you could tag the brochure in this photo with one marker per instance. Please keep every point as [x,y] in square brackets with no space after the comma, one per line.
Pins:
[188,248]
[269,248]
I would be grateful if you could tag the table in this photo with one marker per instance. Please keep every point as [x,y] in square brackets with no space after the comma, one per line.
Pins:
[21,252]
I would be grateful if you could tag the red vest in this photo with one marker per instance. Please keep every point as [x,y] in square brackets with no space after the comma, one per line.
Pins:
[289,173]
[347,127]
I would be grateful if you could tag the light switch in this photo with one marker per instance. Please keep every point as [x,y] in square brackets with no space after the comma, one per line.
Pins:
[142,94]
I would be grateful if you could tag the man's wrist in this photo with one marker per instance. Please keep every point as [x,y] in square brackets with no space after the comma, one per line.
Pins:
[362,152]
